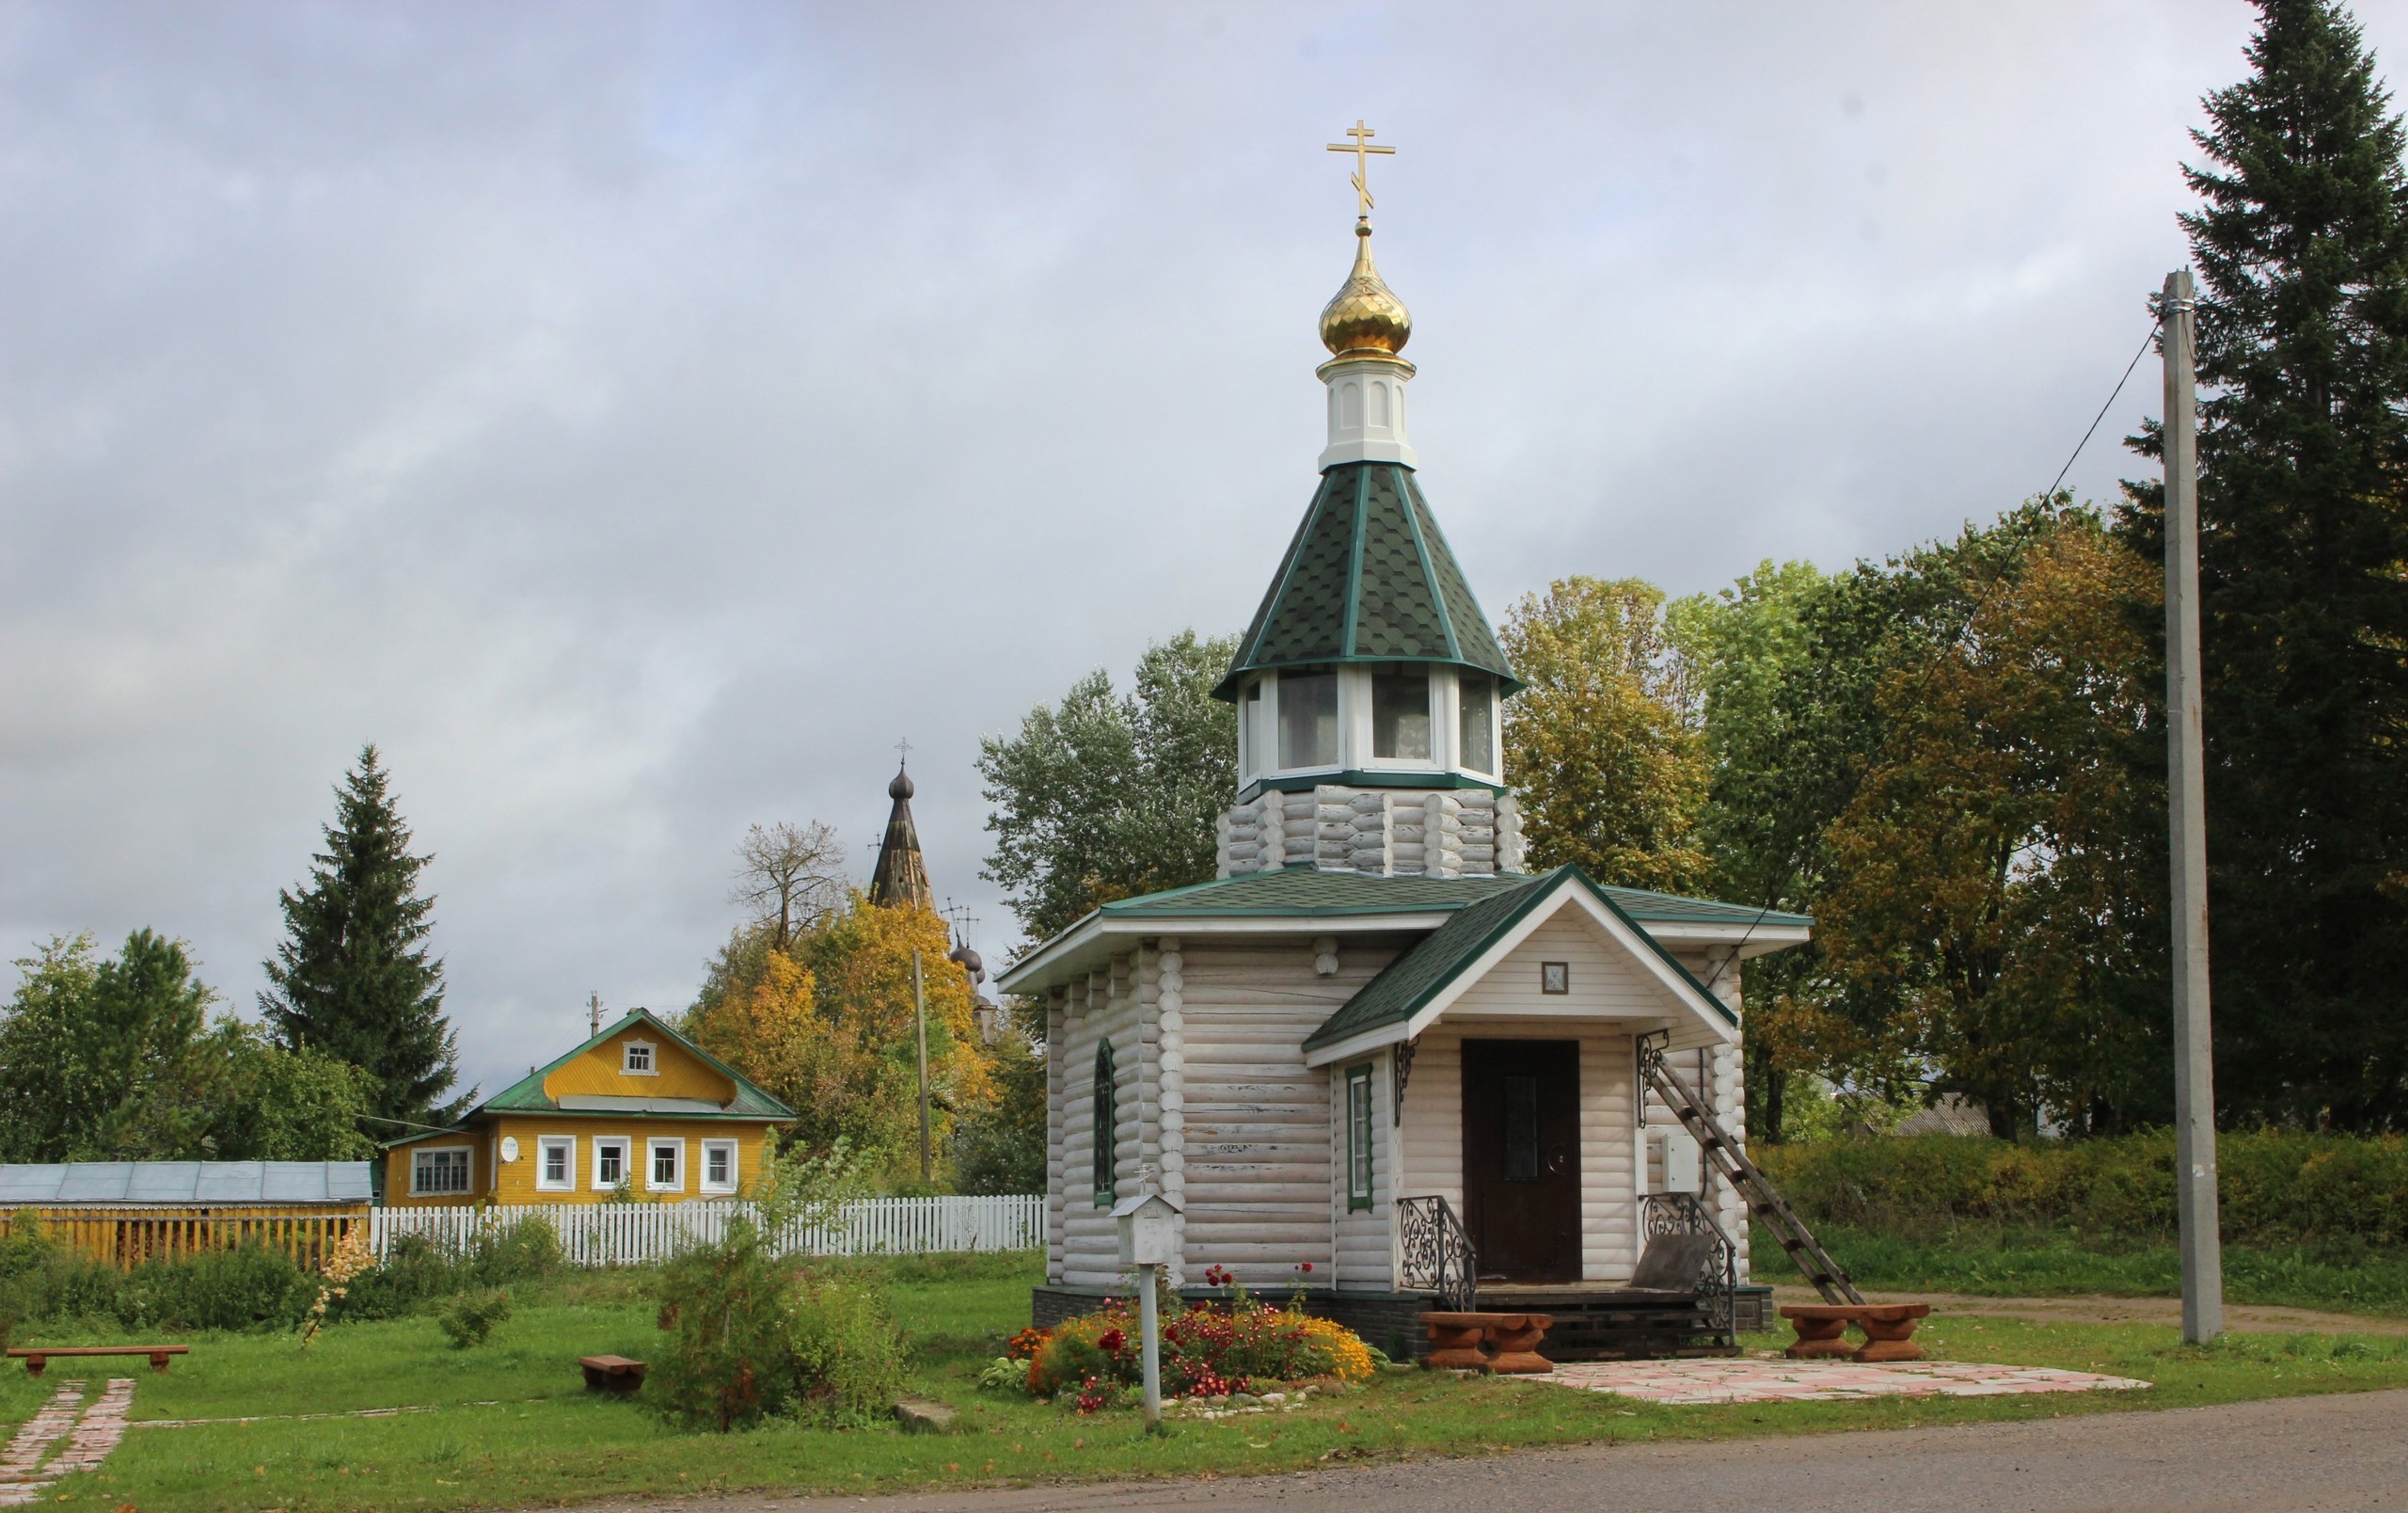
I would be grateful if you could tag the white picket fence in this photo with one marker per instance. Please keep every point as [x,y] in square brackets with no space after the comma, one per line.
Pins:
[608,1234]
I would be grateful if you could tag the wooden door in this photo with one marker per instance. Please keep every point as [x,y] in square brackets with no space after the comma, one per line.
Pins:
[1522,1159]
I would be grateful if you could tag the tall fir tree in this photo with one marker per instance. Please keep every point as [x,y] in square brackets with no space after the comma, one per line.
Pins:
[353,978]
[2302,245]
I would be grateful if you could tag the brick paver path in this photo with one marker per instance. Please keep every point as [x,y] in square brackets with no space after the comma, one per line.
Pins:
[24,1472]
[1818,1381]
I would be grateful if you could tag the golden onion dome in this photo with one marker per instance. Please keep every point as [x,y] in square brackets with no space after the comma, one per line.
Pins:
[1365,315]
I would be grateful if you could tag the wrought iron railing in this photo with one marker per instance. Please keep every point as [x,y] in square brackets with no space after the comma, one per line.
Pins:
[1717,1279]
[1438,1255]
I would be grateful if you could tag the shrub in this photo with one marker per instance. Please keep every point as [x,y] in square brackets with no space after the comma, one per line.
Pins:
[755,1334]
[415,1274]
[248,1286]
[526,1251]
[754,1337]
[470,1318]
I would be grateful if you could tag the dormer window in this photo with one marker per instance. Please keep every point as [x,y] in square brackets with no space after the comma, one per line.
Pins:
[1401,716]
[637,1058]
[1308,720]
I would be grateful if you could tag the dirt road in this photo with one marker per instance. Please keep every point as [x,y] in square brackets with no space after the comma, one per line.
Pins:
[2347,1452]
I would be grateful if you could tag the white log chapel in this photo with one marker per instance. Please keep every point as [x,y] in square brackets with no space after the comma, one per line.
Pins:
[1376,1044]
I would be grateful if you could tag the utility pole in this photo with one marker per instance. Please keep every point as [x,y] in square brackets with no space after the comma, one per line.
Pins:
[594,1015]
[920,1021]
[2194,1098]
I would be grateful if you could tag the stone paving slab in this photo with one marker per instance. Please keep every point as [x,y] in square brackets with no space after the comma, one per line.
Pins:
[1819,1381]
[25,1474]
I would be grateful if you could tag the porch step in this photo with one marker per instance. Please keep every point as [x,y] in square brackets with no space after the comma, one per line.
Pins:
[1616,1325]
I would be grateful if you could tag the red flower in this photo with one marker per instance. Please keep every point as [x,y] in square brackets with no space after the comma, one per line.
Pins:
[1306,1266]
[1111,1342]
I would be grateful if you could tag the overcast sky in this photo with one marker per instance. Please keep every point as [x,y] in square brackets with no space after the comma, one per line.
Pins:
[635,419]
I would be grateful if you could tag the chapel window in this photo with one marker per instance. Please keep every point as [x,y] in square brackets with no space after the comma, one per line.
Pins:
[1308,720]
[1107,1129]
[1401,716]
[1358,1138]
[1476,745]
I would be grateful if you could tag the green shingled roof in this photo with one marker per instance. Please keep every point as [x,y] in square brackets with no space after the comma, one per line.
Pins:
[1367,577]
[1410,981]
[527,1095]
[1303,891]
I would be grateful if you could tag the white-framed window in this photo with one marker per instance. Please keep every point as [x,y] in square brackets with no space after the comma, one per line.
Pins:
[556,1163]
[664,1167]
[1358,1138]
[1308,720]
[440,1172]
[718,1166]
[1250,730]
[610,1162]
[1476,725]
[639,1058]
[1400,723]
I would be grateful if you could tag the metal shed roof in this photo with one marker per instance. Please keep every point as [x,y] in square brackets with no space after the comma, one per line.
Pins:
[163,1184]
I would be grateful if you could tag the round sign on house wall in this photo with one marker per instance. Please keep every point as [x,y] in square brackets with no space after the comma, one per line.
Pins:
[509,1147]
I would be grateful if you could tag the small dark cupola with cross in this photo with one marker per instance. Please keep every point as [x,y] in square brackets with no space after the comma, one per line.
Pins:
[1370,685]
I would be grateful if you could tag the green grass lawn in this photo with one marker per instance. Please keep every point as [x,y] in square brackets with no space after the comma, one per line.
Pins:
[510,1425]
[1983,1261]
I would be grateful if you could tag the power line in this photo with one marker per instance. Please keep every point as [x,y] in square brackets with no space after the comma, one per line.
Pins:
[2146,342]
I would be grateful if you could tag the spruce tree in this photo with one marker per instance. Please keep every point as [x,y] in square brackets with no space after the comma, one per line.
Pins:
[2302,245]
[353,978]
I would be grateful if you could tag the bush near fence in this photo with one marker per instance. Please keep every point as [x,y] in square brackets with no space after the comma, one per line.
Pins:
[2275,1186]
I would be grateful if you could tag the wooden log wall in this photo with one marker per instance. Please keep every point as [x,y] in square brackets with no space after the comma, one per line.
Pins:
[1256,1120]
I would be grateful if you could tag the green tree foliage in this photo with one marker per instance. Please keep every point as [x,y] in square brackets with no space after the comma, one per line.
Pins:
[99,1055]
[353,978]
[1989,904]
[1739,648]
[273,1104]
[2302,245]
[1944,758]
[1603,746]
[1108,796]
[1000,1146]
[107,1059]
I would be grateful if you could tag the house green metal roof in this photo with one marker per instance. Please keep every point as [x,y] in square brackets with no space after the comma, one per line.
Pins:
[1294,891]
[1368,579]
[1410,981]
[527,1095]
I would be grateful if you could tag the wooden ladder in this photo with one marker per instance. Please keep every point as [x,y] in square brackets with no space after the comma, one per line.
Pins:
[1747,1180]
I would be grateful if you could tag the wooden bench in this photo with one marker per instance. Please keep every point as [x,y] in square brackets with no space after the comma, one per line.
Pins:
[613,1373]
[38,1356]
[1455,1340]
[1888,1331]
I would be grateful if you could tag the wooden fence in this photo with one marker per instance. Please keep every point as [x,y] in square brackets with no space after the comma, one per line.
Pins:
[603,1234]
[126,1238]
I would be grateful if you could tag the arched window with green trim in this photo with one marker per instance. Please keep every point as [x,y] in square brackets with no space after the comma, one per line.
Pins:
[1107,1129]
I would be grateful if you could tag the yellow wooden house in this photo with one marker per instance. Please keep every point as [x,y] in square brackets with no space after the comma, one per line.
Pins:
[638,1112]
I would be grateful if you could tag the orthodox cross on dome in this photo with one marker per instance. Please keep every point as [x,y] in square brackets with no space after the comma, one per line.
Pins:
[1362,149]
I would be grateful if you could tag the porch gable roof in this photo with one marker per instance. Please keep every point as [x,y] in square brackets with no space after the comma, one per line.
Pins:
[1414,980]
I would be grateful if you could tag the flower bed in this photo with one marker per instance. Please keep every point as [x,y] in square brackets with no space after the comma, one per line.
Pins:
[1206,1351]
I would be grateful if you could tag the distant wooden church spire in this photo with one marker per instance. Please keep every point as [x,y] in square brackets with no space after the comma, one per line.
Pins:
[902,874]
